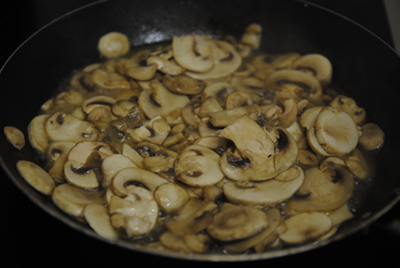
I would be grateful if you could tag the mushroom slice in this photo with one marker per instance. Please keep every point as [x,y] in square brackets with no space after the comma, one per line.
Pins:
[336,131]
[72,200]
[64,127]
[372,137]
[249,84]
[189,116]
[295,84]
[323,190]
[174,242]
[57,155]
[157,102]
[261,154]
[110,80]
[340,215]
[237,222]
[111,165]
[306,227]
[128,177]
[183,84]
[138,209]
[83,150]
[215,143]
[37,134]
[226,117]
[113,44]
[162,163]
[167,66]
[194,217]
[198,243]
[133,155]
[192,54]
[349,106]
[252,35]
[307,159]
[219,91]
[98,218]
[170,196]
[15,137]
[80,176]
[226,61]
[36,176]
[198,166]
[97,101]
[316,65]
[266,193]
[136,67]
[156,130]
[238,99]
[357,165]
[275,61]
[274,220]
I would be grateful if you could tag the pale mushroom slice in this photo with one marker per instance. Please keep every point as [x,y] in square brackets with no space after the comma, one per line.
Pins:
[261,154]
[98,218]
[266,193]
[191,54]
[323,190]
[275,61]
[226,60]
[358,165]
[128,177]
[316,65]
[111,165]
[136,66]
[15,137]
[174,242]
[241,98]
[36,176]
[97,101]
[295,84]
[198,166]
[336,131]
[306,227]
[80,176]
[157,102]
[132,154]
[113,44]
[165,65]
[84,150]
[237,222]
[249,84]
[195,216]
[215,143]
[155,130]
[274,220]
[349,106]
[183,84]
[72,200]
[110,80]
[57,155]
[37,134]
[372,137]
[226,117]
[198,243]
[136,213]
[65,127]
[219,90]
[252,35]
[171,197]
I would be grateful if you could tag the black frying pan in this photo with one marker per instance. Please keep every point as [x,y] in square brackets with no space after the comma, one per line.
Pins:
[362,65]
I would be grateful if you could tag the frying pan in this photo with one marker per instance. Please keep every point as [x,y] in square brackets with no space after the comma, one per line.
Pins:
[364,66]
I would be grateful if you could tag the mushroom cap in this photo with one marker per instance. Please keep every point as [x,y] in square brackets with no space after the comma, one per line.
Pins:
[316,65]
[113,44]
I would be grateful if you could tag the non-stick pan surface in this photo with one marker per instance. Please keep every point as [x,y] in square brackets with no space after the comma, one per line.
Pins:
[364,66]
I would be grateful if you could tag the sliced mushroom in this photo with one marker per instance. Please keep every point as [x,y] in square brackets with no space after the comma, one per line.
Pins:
[372,137]
[349,106]
[83,150]
[316,65]
[64,127]
[57,155]
[133,155]
[226,117]
[358,165]
[136,67]
[306,227]
[15,137]
[36,176]
[167,66]
[137,211]
[171,197]
[249,84]
[323,190]
[135,177]
[215,143]
[266,193]
[274,220]
[183,84]
[174,242]
[198,166]
[237,222]
[113,44]
[261,154]
[192,55]
[295,84]
[97,101]
[156,130]
[198,243]
[238,99]
[162,163]
[252,35]
[110,80]
[225,58]
[275,61]
[111,165]
[98,218]
[340,215]
[194,217]
[80,176]
[157,102]
[73,200]
[219,91]
[37,134]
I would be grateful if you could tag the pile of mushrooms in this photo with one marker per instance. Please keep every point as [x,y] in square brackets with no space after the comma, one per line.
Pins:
[203,145]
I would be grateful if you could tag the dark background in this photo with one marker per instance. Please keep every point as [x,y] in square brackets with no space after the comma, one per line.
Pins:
[28,240]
